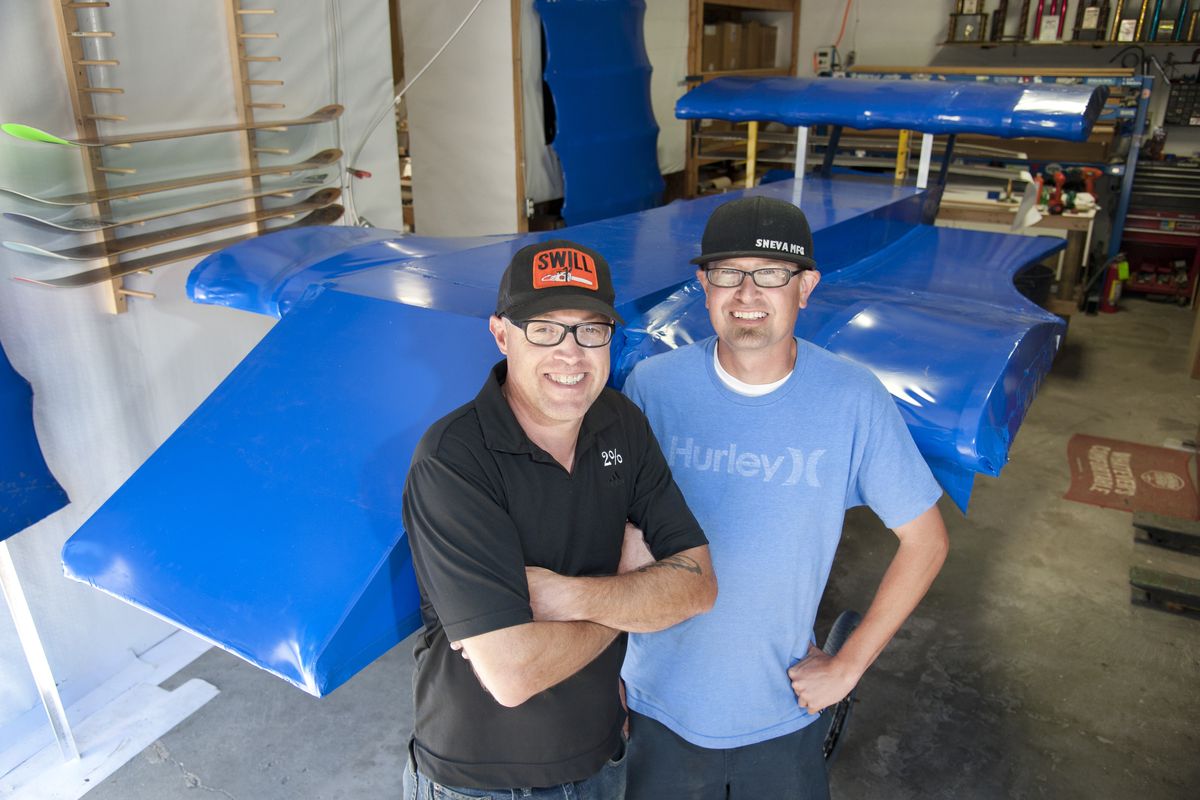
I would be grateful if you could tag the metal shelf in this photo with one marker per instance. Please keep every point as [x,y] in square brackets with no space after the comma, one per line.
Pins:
[1133,116]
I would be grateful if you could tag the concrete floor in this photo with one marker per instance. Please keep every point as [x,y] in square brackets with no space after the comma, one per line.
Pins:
[1025,673]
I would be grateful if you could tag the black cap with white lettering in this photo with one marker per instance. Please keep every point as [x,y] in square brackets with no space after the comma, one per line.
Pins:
[758,227]
[556,275]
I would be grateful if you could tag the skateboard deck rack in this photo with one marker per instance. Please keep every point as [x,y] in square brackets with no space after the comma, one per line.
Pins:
[78,64]
[141,241]
[84,46]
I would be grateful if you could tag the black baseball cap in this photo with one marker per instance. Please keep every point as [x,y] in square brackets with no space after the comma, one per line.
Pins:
[554,275]
[761,227]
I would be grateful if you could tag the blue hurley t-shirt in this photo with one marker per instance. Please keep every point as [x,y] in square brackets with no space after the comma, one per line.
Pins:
[769,479]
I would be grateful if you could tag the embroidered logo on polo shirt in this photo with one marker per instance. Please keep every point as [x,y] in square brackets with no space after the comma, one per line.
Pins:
[564,266]
[611,458]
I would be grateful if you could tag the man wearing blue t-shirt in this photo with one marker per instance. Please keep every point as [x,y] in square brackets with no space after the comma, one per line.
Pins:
[771,439]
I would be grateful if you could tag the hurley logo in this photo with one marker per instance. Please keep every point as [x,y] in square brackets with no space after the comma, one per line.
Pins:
[801,467]
[564,266]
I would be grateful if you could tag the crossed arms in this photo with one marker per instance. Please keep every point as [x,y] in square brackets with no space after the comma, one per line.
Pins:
[576,618]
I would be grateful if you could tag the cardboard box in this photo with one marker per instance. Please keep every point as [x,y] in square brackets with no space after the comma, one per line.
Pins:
[731,45]
[770,34]
[710,52]
[752,45]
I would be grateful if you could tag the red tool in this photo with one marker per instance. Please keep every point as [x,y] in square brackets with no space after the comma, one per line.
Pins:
[1056,173]
[1089,175]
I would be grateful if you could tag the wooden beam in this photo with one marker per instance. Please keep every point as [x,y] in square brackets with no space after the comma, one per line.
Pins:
[519,117]
[75,64]
[236,34]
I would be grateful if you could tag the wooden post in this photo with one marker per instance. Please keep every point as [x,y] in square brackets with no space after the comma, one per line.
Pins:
[902,158]
[751,151]
[244,102]
[691,166]
[519,118]
[76,65]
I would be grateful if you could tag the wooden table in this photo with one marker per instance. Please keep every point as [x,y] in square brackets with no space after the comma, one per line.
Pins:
[1077,224]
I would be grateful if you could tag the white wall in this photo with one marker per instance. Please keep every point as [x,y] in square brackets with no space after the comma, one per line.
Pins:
[461,124]
[880,31]
[109,389]
[666,35]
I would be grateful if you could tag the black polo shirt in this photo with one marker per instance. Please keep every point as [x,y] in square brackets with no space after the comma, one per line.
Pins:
[482,501]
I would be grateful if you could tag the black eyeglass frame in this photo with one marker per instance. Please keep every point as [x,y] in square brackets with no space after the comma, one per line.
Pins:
[564,329]
[753,273]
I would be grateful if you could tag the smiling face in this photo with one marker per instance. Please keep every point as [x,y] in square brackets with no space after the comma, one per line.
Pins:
[748,318]
[548,387]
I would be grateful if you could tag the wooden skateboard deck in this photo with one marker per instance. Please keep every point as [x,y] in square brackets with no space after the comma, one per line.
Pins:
[146,212]
[322,216]
[116,247]
[31,134]
[321,159]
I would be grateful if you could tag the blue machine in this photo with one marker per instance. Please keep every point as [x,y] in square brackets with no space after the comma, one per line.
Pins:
[28,491]
[598,75]
[1007,110]
[269,522]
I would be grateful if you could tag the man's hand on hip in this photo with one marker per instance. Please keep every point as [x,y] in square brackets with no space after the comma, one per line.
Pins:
[820,680]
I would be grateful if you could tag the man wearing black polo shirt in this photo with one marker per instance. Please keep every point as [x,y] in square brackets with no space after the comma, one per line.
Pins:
[515,507]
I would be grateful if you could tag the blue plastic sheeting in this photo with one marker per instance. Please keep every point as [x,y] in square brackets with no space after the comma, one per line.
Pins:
[269,522]
[648,253]
[1048,111]
[268,274]
[28,491]
[290,552]
[599,78]
[935,316]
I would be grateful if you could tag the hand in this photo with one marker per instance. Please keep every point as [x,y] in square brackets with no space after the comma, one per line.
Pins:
[820,681]
[457,646]
[549,595]
[634,552]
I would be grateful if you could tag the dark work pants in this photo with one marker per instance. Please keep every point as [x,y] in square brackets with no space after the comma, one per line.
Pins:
[664,765]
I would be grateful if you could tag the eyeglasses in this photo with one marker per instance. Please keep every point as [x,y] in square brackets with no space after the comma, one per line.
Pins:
[547,333]
[765,278]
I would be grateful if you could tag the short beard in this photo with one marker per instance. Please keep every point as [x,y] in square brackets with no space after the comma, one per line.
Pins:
[749,337]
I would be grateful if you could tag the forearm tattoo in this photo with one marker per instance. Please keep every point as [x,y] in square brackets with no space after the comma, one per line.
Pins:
[675,562]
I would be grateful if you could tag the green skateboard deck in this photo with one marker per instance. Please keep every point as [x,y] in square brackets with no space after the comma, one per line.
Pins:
[31,134]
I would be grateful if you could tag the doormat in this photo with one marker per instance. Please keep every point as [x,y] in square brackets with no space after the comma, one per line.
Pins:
[1131,477]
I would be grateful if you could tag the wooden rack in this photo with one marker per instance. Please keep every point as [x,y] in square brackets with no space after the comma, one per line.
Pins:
[82,51]
[78,65]
[235,17]
[697,74]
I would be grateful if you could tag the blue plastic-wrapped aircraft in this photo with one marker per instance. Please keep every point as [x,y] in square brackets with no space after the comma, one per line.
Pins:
[269,522]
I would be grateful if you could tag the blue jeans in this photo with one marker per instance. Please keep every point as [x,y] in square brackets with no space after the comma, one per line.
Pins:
[663,765]
[607,784]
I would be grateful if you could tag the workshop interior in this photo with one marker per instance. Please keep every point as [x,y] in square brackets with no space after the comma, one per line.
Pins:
[251,248]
